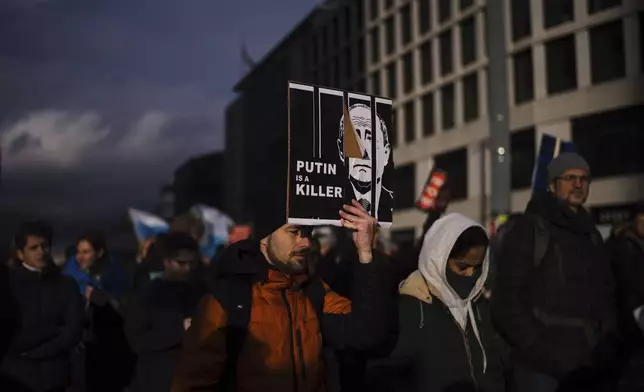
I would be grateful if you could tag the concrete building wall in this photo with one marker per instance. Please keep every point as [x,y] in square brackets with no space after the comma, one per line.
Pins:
[419,140]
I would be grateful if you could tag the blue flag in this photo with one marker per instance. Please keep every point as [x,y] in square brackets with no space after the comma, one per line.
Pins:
[550,147]
[147,225]
[216,224]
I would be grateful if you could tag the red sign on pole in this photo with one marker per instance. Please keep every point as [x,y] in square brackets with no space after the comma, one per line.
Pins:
[429,196]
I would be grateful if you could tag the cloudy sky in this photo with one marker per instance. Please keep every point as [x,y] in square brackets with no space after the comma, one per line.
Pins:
[101,99]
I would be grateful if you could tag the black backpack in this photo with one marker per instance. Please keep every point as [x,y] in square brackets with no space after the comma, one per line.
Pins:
[542,237]
[234,294]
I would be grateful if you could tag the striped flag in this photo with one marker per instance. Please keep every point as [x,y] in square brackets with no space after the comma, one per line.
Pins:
[147,225]
[549,148]
[217,225]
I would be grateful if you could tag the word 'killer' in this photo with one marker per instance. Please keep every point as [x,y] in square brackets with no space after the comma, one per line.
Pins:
[316,167]
[318,190]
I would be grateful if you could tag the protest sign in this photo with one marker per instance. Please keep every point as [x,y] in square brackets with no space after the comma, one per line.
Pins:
[429,198]
[330,155]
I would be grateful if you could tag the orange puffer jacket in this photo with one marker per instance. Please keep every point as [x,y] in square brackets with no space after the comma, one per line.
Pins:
[283,347]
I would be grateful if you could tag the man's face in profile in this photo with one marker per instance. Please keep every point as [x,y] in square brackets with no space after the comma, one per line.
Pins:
[360,169]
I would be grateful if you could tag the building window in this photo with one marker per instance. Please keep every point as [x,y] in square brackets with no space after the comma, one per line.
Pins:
[521,19]
[376,87]
[336,72]
[642,40]
[361,86]
[406,24]
[410,122]
[393,132]
[348,23]
[444,10]
[348,64]
[361,55]
[455,164]
[426,64]
[390,31]
[447,63]
[470,97]
[523,77]
[406,186]
[556,12]
[314,51]
[428,114]
[424,16]
[359,15]
[607,56]
[375,45]
[465,4]
[611,141]
[561,65]
[595,6]
[374,9]
[336,34]
[391,79]
[468,41]
[408,71]
[447,106]
[324,44]
[523,150]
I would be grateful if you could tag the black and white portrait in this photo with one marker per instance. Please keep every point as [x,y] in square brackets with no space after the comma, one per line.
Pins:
[331,164]
[360,170]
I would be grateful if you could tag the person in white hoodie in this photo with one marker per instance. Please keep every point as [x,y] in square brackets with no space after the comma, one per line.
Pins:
[446,341]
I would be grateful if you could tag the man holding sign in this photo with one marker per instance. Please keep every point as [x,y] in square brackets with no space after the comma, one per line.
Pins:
[264,326]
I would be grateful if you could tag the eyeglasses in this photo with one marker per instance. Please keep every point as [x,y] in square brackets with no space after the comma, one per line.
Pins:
[585,179]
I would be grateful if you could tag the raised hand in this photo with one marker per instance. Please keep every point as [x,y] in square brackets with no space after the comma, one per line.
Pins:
[355,217]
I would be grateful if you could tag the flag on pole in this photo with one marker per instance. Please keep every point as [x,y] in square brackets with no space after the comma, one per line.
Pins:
[217,226]
[429,197]
[549,148]
[147,225]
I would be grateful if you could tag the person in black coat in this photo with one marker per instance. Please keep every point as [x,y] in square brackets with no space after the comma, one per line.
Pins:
[446,341]
[50,317]
[161,312]
[554,301]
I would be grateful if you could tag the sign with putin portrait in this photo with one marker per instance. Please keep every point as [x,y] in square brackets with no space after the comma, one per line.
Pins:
[339,150]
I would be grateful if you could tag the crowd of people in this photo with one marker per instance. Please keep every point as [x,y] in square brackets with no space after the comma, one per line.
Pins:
[544,305]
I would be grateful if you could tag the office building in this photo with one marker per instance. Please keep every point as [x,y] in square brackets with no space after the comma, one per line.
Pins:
[198,181]
[575,71]
[326,47]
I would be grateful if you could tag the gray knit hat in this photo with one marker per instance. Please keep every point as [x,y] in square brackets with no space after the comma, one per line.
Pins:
[564,162]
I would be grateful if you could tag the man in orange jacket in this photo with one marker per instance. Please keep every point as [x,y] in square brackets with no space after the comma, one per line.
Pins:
[282,347]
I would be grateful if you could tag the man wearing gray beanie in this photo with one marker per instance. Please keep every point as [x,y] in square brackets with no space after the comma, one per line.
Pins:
[569,179]
[554,300]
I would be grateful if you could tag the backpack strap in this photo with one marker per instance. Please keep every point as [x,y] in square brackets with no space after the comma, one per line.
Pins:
[316,292]
[541,238]
[235,296]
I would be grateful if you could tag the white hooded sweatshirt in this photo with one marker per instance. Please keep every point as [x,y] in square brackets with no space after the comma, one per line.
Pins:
[432,264]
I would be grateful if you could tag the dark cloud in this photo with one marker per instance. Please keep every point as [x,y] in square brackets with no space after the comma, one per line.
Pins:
[101,100]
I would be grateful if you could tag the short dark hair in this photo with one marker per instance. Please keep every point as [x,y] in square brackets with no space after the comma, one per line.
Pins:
[173,243]
[470,238]
[95,239]
[38,229]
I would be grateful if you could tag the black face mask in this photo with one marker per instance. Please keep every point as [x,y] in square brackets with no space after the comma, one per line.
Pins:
[463,285]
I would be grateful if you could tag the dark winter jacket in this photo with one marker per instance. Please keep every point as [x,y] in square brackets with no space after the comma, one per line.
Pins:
[558,313]
[445,343]
[155,327]
[272,358]
[627,259]
[50,326]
